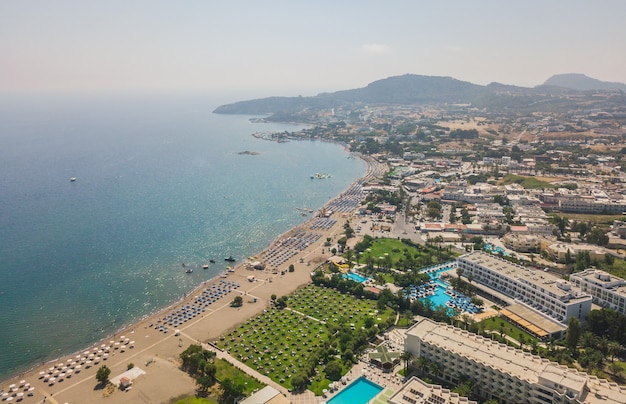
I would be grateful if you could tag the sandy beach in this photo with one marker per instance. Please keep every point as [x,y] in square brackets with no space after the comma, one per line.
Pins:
[202,316]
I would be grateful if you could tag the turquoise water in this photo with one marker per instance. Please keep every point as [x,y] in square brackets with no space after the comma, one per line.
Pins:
[159,183]
[495,249]
[355,277]
[358,392]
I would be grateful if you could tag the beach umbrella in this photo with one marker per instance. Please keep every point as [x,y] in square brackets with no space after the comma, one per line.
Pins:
[9,399]
[12,386]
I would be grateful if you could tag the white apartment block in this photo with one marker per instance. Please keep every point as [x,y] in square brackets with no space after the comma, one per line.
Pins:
[552,296]
[417,391]
[607,290]
[506,374]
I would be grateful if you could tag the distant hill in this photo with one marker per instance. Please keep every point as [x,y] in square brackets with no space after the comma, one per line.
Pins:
[411,89]
[404,90]
[581,82]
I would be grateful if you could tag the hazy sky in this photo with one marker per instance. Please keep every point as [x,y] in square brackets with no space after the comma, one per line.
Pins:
[301,47]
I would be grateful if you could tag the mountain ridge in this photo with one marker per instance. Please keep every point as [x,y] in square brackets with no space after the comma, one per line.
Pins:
[412,89]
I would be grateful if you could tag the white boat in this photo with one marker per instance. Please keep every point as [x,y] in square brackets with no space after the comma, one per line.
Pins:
[72,179]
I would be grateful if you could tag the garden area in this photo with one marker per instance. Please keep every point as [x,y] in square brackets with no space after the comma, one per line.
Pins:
[403,255]
[316,339]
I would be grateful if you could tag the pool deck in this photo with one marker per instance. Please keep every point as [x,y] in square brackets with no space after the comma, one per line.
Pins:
[390,382]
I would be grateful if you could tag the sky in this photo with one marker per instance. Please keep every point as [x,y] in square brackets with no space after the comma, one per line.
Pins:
[301,47]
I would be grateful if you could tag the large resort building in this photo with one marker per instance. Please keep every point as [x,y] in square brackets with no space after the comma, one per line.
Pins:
[607,290]
[417,391]
[504,373]
[551,296]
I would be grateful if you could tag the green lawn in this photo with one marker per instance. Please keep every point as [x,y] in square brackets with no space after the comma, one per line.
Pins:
[526,182]
[390,250]
[195,400]
[494,323]
[225,370]
[277,343]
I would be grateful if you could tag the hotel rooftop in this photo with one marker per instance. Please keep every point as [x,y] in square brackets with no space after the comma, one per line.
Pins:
[482,356]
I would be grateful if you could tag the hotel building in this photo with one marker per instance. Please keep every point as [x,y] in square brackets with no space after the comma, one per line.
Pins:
[416,391]
[552,296]
[607,290]
[500,372]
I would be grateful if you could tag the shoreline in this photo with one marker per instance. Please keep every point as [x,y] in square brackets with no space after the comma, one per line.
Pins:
[266,281]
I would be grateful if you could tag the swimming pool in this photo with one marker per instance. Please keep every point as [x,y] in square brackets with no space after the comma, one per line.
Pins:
[355,277]
[495,249]
[358,392]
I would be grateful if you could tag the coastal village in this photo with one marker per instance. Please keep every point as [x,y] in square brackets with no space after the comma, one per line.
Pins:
[480,259]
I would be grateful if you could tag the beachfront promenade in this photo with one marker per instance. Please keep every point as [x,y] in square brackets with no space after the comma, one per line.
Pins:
[204,315]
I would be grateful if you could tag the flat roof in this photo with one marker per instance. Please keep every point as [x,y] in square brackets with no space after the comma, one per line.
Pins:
[521,365]
[544,281]
[531,320]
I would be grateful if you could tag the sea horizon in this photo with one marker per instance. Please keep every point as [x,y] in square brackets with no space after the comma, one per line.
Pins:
[159,183]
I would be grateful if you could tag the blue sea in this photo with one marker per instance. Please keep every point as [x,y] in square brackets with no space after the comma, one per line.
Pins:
[159,183]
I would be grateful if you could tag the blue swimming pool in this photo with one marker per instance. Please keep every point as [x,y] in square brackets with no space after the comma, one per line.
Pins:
[495,249]
[358,392]
[355,277]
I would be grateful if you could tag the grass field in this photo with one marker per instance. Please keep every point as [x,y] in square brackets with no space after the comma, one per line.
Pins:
[496,323]
[278,343]
[526,182]
[594,219]
[395,252]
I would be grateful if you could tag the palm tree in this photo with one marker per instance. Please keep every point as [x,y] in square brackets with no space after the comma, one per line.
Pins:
[435,368]
[406,356]
[613,348]
[423,363]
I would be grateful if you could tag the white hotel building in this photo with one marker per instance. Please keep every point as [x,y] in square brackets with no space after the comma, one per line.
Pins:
[607,290]
[552,296]
[504,373]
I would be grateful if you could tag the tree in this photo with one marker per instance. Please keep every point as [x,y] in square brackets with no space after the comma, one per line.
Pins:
[423,363]
[333,370]
[237,301]
[281,302]
[299,381]
[406,357]
[230,390]
[597,237]
[573,333]
[102,375]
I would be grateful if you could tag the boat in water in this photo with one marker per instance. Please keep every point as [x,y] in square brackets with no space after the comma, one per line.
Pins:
[212,261]
[72,179]
[205,266]
[188,270]
[229,259]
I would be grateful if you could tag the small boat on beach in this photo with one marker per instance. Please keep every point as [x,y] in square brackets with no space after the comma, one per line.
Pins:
[229,259]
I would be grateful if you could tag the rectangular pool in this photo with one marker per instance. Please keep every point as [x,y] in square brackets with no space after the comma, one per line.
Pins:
[358,392]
